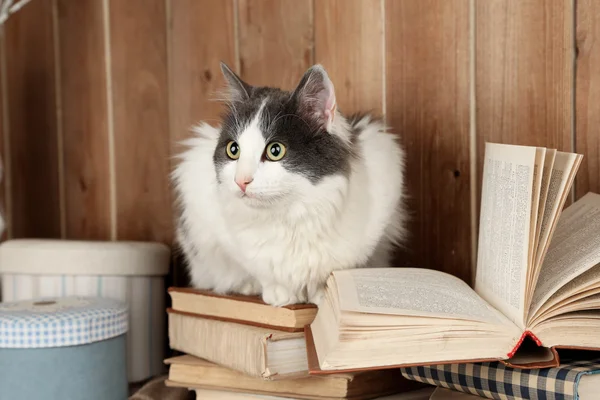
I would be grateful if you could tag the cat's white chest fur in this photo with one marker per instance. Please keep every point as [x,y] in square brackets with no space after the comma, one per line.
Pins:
[292,249]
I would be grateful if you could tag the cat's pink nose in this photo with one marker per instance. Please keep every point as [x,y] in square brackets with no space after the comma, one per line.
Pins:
[243,182]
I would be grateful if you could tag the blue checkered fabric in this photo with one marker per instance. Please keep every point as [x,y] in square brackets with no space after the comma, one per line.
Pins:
[56,322]
[498,381]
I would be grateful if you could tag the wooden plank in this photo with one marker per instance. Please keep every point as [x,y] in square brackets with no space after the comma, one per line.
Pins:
[587,105]
[84,119]
[275,41]
[30,69]
[524,73]
[141,121]
[427,81]
[195,73]
[349,44]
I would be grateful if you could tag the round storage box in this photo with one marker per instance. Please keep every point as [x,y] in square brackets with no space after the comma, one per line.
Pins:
[63,348]
[131,272]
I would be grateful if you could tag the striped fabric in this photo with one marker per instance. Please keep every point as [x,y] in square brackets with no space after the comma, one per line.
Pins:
[497,381]
[145,296]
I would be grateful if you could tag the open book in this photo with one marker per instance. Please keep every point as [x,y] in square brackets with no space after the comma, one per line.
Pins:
[537,276]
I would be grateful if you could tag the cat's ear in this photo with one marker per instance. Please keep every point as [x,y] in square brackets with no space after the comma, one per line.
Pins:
[238,89]
[316,96]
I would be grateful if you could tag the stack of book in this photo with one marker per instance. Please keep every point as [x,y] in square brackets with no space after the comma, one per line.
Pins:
[237,347]
[537,291]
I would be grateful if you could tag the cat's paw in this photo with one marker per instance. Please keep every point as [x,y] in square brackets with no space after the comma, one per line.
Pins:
[250,288]
[277,295]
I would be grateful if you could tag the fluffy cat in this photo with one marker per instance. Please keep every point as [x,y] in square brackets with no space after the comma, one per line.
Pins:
[285,191]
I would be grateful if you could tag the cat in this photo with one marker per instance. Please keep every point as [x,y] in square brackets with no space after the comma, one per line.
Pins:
[285,191]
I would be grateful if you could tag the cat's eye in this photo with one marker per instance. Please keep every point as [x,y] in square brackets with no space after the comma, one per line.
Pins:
[233,150]
[275,151]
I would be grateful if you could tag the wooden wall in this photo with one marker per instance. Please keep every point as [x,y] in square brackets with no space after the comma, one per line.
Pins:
[96,93]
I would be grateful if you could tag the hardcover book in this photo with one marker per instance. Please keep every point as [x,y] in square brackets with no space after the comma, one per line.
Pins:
[191,372]
[224,395]
[260,352]
[537,277]
[250,310]
[571,381]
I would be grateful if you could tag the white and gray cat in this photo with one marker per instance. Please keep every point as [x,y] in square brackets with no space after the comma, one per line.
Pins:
[285,191]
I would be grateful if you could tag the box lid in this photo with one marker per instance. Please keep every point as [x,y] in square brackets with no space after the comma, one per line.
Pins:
[83,257]
[58,322]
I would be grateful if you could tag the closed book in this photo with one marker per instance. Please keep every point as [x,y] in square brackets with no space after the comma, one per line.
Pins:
[192,372]
[574,380]
[224,395]
[255,351]
[215,394]
[250,310]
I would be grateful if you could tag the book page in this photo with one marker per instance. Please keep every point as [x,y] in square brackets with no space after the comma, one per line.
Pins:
[559,183]
[546,175]
[575,248]
[579,287]
[504,226]
[563,172]
[538,172]
[412,291]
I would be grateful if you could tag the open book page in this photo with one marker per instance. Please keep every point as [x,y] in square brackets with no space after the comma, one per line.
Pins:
[546,177]
[504,226]
[412,291]
[573,251]
[545,185]
[591,302]
[563,172]
[538,172]
[582,286]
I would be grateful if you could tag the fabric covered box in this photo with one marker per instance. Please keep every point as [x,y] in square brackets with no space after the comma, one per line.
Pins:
[132,272]
[68,348]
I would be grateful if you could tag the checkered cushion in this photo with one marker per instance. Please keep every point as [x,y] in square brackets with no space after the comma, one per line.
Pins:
[55,322]
[497,381]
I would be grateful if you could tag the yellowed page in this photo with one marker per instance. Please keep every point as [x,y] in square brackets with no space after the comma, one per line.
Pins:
[581,286]
[546,175]
[412,291]
[573,251]
[579,328]
[563,174]
[504,226]
[564,169]
[538,172]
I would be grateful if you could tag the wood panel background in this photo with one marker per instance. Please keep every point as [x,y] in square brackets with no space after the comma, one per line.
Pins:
[96,94]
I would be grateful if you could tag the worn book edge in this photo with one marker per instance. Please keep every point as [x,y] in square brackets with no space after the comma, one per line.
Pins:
[366,396]
[271,334]
[238,297]
[236,321]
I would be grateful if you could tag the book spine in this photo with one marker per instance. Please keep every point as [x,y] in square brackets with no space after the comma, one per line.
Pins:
[495,381]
